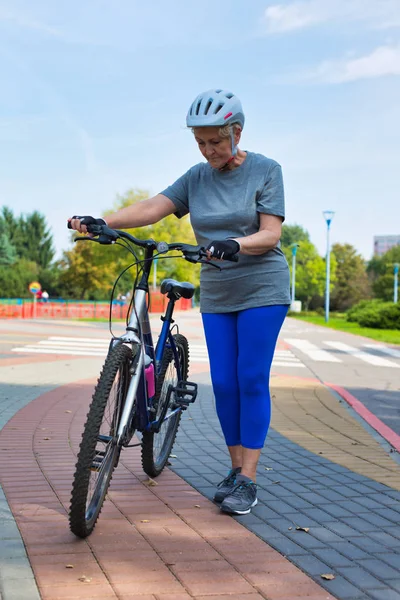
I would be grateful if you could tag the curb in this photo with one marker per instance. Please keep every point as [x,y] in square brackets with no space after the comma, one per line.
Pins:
[388,434]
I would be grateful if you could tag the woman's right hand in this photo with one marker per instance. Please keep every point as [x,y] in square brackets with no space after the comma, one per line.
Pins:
[79,223]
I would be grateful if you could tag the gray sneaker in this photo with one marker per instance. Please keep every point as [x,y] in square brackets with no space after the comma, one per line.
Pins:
[241,499]
[226,485]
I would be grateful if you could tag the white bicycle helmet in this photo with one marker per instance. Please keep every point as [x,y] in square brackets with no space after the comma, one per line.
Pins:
[215,108]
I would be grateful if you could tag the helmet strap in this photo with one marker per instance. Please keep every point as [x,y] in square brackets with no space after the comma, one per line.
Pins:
[234,150]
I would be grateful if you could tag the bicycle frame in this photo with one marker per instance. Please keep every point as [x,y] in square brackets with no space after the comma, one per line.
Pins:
[138,333]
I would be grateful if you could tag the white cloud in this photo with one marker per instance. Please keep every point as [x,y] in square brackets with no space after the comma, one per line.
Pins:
[300,14]
[383,61]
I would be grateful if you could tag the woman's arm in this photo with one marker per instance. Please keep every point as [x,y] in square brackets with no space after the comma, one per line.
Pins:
[266,238]
[138,214]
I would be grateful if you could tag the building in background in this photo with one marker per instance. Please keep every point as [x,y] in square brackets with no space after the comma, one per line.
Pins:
[383,243]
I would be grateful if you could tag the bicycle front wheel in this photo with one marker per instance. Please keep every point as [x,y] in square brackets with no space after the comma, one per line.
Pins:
[99,452]
[156,447]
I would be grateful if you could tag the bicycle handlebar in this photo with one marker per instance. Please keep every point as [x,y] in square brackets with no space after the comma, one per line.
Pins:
[106,235]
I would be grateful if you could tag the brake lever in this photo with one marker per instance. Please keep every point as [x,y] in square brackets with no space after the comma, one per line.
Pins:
[101,239]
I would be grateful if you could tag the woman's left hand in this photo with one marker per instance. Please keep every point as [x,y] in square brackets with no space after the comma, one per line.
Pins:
[223,249]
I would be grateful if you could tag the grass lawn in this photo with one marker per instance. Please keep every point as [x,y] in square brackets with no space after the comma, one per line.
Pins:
[389,336]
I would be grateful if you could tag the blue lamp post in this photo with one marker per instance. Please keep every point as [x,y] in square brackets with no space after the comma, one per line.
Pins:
[328,216]
[396,283]
[294,252]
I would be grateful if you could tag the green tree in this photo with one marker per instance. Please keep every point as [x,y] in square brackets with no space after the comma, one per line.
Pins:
[14,281]
[293,234]
[380,271]
[8,255]
[352,284]
[29,235]
[84,274]
[310,274]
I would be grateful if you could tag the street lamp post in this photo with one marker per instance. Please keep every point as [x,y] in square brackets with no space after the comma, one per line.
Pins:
[294,252]
[155,274]
[396,282]
[328,216]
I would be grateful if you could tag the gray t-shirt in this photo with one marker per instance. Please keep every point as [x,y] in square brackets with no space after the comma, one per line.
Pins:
[226,204]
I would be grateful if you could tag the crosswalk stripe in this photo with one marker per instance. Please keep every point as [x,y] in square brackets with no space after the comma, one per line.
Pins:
[75,344]
[312,350]
[69,351]
[384,349]
[372,359]
[82,340]
[281,363]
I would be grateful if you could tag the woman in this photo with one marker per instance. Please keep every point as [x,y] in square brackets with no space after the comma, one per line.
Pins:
[236,206]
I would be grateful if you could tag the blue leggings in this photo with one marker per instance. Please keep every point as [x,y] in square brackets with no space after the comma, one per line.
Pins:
[241,346]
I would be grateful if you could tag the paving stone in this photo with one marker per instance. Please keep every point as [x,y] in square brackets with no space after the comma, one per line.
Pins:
[317,514]
[14,548]
[350,550]
[285,546]
[379,568]
[392,558]
[306,540]
[360,488]
[385,538]
[359,524]
[266,532]
[337,511]
[393,530]
[18,589]
[389,513]
[353,507]
[8,530]
[297,502]
[276,508]
[343,529]
[348,492]
[384,499]
[325,535]
[377,520]
[332,557]
[394,494]
[310,564]
[264,511]
[331,495]
[314,498]
[385,594]
[360,577]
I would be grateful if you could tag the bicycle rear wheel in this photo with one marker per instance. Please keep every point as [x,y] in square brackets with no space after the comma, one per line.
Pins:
[156,447]
[99,453]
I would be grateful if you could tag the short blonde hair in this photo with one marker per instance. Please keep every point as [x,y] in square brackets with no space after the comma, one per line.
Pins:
[225,131]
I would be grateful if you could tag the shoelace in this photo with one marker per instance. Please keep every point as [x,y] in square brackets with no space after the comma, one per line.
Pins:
[239,488]
[231,478]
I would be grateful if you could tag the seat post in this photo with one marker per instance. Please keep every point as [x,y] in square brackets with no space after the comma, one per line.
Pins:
[170,310]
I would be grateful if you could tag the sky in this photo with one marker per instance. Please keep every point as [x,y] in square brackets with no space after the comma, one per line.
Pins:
[94,96]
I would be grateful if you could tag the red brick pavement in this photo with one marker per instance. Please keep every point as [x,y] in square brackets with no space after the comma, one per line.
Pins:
[164,542]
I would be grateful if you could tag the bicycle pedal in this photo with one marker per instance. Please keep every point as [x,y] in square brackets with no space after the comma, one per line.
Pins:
[185,393]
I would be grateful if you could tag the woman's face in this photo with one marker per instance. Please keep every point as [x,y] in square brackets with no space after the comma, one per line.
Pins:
[216,150]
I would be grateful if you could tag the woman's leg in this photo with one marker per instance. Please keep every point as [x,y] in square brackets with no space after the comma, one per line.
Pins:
[221,337]
[258,330]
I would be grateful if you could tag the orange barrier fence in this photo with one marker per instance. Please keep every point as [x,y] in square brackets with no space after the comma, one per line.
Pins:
[71,309]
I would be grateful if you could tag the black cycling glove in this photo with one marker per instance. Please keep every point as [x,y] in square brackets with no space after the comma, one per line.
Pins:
[224,249]
[87,220]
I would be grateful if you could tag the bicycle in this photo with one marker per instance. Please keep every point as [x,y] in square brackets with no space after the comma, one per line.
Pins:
[141,387]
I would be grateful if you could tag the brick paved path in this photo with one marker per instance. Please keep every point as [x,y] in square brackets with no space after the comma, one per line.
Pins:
[165,541]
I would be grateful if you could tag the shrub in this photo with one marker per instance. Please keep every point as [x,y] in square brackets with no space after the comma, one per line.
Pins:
[375,314]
